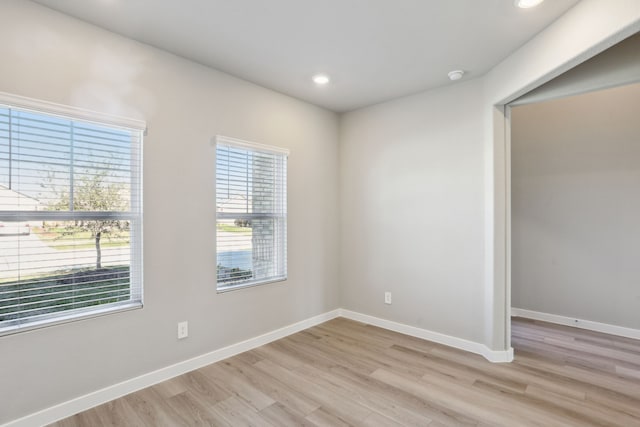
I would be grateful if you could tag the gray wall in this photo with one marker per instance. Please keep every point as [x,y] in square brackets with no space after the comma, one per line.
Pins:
[56,58]
[446,170]
[412,210]
[576,207]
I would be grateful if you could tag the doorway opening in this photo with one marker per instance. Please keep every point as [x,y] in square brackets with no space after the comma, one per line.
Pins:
[572,185]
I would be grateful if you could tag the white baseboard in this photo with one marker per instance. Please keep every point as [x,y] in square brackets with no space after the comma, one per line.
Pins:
[88,401]
[448,340]
[577,323]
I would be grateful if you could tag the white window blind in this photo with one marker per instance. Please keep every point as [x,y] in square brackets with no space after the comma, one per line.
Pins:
[251,213]
[70,218]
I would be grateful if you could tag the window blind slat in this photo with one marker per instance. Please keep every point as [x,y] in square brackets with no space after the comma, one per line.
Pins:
[251,218]
[69,189]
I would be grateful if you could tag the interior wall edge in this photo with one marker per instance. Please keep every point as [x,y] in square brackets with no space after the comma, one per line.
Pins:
[508,81]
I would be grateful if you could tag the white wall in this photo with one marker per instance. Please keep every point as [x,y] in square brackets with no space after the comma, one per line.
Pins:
[412,210]
[49,56]
[575,207]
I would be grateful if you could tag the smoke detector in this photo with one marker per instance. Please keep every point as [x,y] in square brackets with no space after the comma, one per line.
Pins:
[455,75]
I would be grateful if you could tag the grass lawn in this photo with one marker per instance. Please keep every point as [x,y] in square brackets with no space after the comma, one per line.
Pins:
[230,228]
[63,291]
[59,238]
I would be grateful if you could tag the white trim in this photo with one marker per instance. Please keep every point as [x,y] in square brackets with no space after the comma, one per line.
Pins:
[221,139]
[74,113]
[91,400]
[508,224]
[495,356]
[76,315]
[498,356]
[88,401]
[577,323]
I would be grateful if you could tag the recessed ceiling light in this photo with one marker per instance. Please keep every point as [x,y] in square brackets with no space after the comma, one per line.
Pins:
[526,4]
[321,79]
[455,74]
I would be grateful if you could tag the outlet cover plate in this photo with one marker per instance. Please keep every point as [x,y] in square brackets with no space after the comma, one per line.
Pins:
[183,330]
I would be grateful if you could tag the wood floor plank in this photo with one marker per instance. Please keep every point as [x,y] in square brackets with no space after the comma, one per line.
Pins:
[622,404]
[225,376]
[518,371]
[280,415]
[445,398]
[408,408]
[276,353]
[322,355]
[201,385]
[324,418]
[238,413]
[343,407]
[150,409]
[84,418]
[346,373]
[117,413]
[375,403]
[377,420]
[193,412]
[594,414]
[277,390]
[172,387]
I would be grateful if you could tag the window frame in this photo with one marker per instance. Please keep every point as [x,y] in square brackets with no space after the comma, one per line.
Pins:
[259,148]
[134,215]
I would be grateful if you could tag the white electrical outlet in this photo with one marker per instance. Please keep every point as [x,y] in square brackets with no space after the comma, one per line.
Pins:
[387,297]
[183,330]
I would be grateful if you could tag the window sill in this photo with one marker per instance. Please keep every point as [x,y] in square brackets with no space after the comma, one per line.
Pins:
[71,317]
[225,289]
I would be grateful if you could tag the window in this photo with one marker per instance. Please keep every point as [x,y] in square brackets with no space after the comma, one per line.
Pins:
[251,213]
[70,214]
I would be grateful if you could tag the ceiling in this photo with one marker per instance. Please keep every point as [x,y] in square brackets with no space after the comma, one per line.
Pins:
[373,50]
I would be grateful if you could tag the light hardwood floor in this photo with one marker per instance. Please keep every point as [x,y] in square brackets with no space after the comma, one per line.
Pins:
[346,373]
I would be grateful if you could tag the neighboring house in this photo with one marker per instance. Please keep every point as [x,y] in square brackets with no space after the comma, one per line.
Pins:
[11,200]
[239,204]
[235,204]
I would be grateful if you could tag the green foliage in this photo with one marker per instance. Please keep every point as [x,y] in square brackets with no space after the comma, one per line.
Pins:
[233,229]
[245,223]
[57,236]
[230,275]
[92,191]
[64,291]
